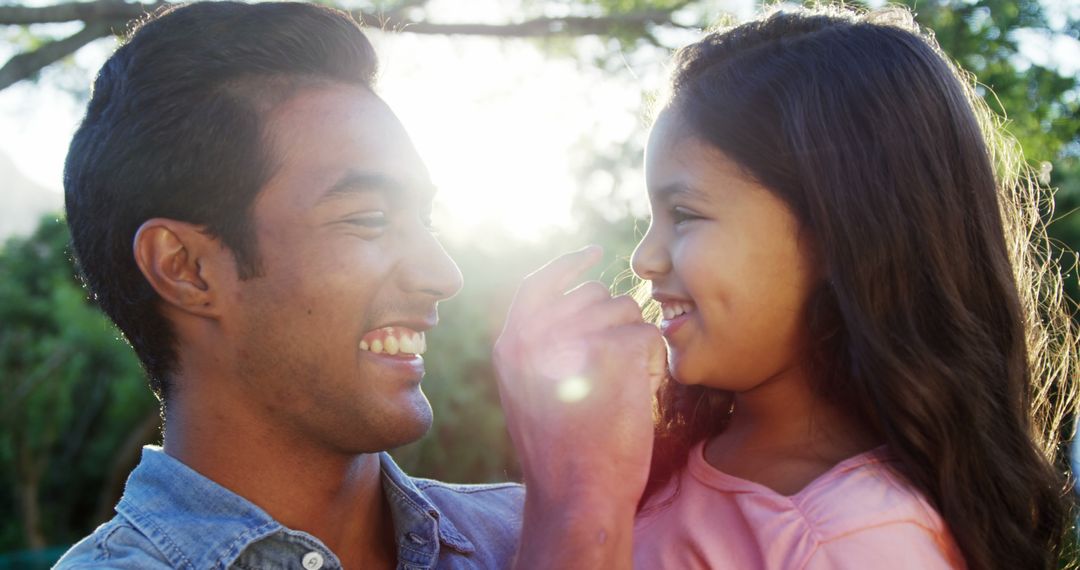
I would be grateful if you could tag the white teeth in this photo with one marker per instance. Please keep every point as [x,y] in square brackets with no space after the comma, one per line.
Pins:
[396,340]
[407,345]
[675,309]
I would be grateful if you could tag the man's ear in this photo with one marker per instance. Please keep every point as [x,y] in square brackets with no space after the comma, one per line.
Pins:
[179,261]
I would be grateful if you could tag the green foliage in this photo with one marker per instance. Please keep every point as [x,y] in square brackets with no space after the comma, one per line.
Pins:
[1041,105]
[1064,230]
[72,392]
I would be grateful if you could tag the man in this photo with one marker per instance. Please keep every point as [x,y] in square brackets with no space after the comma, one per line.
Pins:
[255,220]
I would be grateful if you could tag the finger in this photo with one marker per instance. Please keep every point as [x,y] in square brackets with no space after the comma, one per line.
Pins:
[657,358]
[646,338]
[613,312]
[556,277]
[581,297]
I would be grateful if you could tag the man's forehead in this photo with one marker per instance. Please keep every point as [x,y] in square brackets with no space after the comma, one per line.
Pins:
[336,139]
[322,105]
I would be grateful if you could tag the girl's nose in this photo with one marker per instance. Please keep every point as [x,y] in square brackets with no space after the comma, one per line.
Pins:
[651,260]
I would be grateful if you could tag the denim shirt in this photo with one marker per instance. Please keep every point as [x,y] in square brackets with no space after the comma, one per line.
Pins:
[172,517]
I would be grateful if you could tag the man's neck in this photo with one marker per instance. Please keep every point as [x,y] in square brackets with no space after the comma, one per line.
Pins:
[338,498]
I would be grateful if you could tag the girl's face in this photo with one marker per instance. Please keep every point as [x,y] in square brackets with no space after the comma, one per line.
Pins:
[726,260]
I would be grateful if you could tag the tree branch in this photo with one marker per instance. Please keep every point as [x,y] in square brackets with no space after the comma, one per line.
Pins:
[101,10]
[104,17]
[120,11]
[27,64]
[537,27]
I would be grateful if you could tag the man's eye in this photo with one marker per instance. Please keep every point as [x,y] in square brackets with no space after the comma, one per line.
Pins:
[426,219]
[429,224]
[680,215]
[371,220]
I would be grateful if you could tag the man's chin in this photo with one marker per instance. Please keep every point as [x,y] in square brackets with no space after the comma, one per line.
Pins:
[415,426]
[405,425]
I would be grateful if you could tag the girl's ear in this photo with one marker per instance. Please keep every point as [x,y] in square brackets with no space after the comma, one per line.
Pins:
[179,261]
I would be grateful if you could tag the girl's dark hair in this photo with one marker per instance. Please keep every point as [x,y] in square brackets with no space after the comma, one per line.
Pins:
[174,128]
[940,322]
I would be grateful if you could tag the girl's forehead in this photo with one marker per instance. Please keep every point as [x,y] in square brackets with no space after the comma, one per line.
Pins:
[676,150]
[669,147]
[673,139]
[667,129]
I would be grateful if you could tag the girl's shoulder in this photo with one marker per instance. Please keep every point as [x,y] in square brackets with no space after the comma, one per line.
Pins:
[862,492]
[859,512]
[859,492]
[863,512]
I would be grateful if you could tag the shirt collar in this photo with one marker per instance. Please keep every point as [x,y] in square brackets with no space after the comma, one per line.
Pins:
[192,520]
[176,508]
[410,507]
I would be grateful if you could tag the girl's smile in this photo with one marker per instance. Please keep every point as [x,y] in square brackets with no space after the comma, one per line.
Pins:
[676,313]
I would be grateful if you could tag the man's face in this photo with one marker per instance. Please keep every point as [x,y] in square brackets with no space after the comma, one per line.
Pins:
[344,237]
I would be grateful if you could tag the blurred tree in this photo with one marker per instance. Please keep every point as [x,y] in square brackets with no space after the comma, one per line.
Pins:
[1041,105]
[73,395]
[1064,228]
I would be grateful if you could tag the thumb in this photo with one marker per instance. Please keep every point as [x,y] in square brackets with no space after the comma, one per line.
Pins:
[656,365]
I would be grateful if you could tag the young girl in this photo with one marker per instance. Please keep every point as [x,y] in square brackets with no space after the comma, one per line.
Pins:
[869,361]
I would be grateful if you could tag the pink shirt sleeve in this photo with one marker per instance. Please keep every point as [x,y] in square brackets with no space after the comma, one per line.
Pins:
[890,546]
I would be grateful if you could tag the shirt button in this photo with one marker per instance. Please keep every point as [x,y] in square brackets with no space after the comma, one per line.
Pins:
[312,561]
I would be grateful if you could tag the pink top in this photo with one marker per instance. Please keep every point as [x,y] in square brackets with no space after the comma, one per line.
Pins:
[856,516]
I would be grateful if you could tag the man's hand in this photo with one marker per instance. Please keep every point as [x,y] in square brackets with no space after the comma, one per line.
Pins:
[576,372]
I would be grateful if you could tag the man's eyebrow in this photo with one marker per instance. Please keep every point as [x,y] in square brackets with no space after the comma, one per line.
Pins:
[354,182]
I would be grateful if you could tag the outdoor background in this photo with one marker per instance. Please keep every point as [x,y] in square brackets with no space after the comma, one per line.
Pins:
[531,117]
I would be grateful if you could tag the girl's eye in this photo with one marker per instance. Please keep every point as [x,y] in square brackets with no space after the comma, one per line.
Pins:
[374,220]
[680,215]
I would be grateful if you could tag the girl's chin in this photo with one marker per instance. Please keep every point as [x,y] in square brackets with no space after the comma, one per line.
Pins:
[681,374]
[687,375]
[682,366]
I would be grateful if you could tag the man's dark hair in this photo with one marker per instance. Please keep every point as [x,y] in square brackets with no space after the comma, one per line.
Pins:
[174,129]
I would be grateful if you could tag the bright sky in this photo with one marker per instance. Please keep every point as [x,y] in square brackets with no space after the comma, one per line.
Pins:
[497,123]
[500,123]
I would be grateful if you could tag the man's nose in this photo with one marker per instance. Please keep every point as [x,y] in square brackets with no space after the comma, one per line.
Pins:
[430,270]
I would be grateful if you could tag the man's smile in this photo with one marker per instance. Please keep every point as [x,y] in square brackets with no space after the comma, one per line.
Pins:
[394,340]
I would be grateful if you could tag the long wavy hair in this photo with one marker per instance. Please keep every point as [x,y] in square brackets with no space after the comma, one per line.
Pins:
[940,323]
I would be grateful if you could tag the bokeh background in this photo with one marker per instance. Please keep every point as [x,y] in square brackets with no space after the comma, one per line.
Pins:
[531,115]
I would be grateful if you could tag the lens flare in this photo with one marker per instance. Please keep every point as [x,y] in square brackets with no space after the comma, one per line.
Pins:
[573,389]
